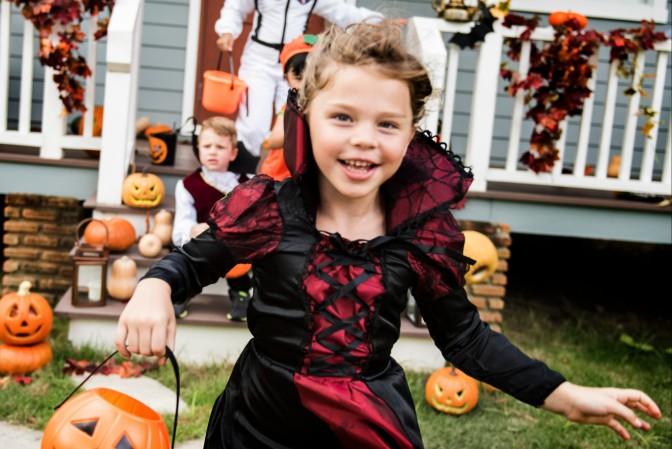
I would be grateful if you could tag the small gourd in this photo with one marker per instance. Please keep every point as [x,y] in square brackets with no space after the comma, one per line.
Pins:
[123,279]
[150,245]
[163,226]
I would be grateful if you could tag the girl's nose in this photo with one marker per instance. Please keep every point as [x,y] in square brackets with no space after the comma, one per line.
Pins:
[364,136]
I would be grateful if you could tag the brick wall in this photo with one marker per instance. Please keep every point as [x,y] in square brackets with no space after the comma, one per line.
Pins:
[38,234]
[489,296]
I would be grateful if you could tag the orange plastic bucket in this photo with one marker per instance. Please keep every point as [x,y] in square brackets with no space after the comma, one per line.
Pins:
[222,91]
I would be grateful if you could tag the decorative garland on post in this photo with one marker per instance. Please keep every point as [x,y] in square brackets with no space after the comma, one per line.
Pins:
[65,18]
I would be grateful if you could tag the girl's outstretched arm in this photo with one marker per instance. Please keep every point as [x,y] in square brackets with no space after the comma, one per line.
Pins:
[603,406]
[147,324]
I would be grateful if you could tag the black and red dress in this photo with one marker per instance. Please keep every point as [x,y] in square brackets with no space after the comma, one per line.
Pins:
[326,311]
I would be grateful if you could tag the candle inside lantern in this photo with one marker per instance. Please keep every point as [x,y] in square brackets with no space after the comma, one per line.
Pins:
[94,290]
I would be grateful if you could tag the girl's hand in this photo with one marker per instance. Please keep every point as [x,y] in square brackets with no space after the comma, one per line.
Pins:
[147,324]
[198,229]
[225,42]
[603,406]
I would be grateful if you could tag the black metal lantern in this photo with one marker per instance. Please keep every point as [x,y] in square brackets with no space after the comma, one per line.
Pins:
[89,288]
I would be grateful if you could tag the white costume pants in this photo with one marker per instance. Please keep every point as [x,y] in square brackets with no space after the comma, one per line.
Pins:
[261,70]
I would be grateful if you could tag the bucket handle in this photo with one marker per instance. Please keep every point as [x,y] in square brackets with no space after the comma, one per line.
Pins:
[176,369]
[231,66]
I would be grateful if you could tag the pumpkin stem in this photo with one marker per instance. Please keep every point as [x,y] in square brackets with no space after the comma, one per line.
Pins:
[24,288]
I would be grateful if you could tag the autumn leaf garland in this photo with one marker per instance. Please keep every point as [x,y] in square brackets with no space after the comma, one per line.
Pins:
[557,80]
[58,24]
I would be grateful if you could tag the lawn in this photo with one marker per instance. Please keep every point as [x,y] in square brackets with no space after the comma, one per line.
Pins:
[577,328]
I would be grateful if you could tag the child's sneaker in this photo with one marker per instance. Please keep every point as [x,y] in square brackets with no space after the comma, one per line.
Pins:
[239,301]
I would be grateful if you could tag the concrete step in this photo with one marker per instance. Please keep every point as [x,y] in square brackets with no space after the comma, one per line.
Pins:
[207,336]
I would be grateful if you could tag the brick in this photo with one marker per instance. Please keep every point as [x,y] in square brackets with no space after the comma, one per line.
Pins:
[54,284]
[23,199]
[12,212]
[22,253]
[61,202]
[502,266]
[498,279]
[13,281]
[488,290]
[504,253]
[501,240]
[491,317]
[480,226]
[40,267]
[10,266]
[21,226]
[59,229]
[41,240]
[40,214]
[66,271]
[504,227]
[496,303]
[478,301]
[56,256]
[11,239]
[71,216]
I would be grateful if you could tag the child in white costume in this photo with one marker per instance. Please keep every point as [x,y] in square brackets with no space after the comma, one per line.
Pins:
[275,23]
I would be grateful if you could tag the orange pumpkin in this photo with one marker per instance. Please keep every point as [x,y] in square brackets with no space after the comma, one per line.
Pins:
[238,270]
[449,390]
[105,419]
[479,247]
[120,233]
[25,318]
[97,122]
[558,18]
[142,190]
[24,359]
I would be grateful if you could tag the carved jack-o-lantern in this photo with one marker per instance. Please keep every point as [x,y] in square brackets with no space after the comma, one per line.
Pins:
[25,318]
[158,150]
[449,390]
[480,248]
[142,190]
[105,419]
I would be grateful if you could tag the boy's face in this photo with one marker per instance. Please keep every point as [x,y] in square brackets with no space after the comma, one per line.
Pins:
[293,81]
[216,152]
[360,127]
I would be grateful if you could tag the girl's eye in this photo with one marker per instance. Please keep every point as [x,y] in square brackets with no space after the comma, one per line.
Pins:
[388,125]
[341,117]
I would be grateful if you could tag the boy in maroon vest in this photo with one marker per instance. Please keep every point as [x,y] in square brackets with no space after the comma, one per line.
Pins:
[198,191]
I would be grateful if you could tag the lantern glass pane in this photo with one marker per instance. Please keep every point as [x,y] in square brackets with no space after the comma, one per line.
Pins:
[90,283]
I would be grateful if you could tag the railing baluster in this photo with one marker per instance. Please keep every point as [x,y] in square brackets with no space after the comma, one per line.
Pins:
[560,145]
[646,172]
[586,122]
[26,99]
[627,149]
[90,87]
[518,110]
[453,63]
[4,62]
[607,122]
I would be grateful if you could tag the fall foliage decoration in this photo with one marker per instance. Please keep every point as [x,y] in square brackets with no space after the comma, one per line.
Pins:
[26,319]
[124,369]
[120,233]
[105,419]
[58,24]
[449,390]
[558,75]
[479,247]
[142,190]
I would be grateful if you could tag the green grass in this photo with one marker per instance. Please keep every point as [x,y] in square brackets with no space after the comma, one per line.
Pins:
[583,344]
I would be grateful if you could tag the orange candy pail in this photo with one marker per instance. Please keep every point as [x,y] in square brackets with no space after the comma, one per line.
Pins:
[222,91]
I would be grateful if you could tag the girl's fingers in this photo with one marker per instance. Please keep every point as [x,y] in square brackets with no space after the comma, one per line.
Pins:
[120,340]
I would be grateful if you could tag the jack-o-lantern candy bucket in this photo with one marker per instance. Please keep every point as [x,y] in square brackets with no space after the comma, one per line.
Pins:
[162,144]
[102,418]
[449,390]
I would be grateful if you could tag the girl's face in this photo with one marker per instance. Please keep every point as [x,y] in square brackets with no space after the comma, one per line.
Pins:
[360,126]
[214,151]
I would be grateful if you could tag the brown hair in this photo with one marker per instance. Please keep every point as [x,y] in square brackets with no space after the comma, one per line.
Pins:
[376,44]
[222,126]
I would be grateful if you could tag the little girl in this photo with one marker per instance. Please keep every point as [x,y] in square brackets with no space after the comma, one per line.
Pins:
[334,249]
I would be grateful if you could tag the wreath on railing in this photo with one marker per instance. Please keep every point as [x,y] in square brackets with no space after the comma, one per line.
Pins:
[58,24]
[557,79]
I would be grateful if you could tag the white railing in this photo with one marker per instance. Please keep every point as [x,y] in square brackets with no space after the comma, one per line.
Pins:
[49,134]
[651,175]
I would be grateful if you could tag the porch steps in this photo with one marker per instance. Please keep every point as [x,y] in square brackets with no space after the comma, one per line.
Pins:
[207,336]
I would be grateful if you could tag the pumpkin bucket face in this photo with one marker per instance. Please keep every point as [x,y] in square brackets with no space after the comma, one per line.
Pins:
[449,390]
[25,318]
[105,419]
[142,190]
